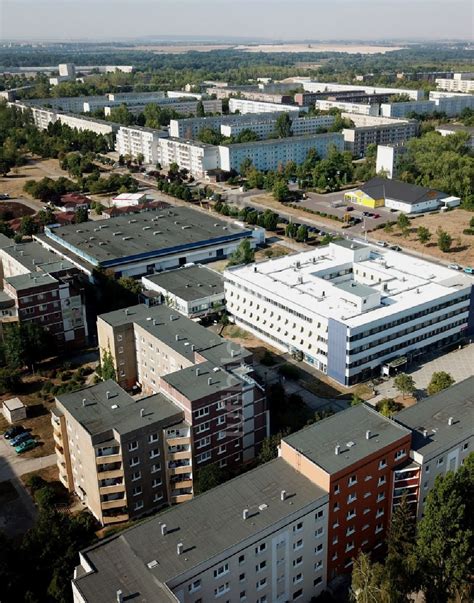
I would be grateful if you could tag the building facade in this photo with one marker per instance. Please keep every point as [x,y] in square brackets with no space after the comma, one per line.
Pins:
[243,105]
[361,108]
[136,141]
[376,130]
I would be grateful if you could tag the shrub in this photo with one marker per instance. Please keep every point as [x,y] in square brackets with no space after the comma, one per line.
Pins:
[35,482]
[45,497]
[289,371]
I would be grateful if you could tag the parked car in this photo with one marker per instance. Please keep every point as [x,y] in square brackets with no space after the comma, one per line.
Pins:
[4,196]
[349,208]
[26,445]
[469,270]
[455,266]
[20,438]
[13,432]
[395,247]
[382,243]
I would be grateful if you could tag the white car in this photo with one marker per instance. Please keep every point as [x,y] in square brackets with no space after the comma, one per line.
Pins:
[455,266]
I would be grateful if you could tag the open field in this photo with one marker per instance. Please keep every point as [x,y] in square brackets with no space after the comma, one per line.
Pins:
[179,48]
[453,222]
[35,169]
[321,47]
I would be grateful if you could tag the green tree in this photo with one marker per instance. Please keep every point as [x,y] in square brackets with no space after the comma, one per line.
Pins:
[10,380]
[404,383]
[81,216]
[208,477]
[210,136]
[26,343]
[28,226]
[367,584]
[280,190]
[291,230]
[200,109]
[246,166]
[46,216]
[107,366]
[255,178]
[244,254]
[130,284]
[423,234]
[439,380]
[444,240]
[269,449]
[445,538]
[387,407]
[403,223]
[283,126]
[302,233]
[270,219]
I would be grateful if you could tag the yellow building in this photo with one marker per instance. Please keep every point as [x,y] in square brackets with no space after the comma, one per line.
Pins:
[360,197]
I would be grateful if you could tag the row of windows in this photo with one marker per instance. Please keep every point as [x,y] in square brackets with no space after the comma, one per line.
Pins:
[135,460]
[152,438]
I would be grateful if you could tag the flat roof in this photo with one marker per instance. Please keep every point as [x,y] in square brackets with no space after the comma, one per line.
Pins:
[456,128]
[30,280]
[348,430]
[141,560]
[432,414]
[98,413]
[356,288]
[145,234]
[201,380]
[282,141]
[30,254]
[309,282]
[189,282]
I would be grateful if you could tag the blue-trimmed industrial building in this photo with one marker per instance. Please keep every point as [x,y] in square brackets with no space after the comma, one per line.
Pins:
[148,242]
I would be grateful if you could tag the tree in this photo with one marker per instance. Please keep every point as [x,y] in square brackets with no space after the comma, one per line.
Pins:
[208,477]
[269,449]
[28,226]
[107,366]
[270,220]
[10,380]
[280,190]
[439,380]
[387,407]
[130,284]
[291,230]
[423,234]
[444,240]
[246,166]
[356,400]
[302,233]
[244,254]
[367,584]
[45,216]
[200,109]
[210,136]
[81,216]
[404,383]
[283,126]
[445,538]
[403,223]
[26,343]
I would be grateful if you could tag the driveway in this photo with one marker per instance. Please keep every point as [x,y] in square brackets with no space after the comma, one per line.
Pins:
[13,464]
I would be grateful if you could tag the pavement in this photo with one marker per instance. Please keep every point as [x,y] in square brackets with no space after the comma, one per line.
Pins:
[14,465]
[459,364]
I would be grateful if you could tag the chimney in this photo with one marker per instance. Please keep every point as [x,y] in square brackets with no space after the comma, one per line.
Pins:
[163,529]
[179,548]
[176,337]
[126,311]
[337,449]
[425,433]
[193,347]
[367,434]
[107,395]
[119,596]
[245,514]
[232,352]
[84,401]
[154,322]
[209,381]
[283,495]
[197,372]
[142,412]
[450,421]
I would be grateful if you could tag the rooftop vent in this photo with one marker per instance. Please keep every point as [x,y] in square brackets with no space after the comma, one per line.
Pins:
[367,434]
[197,372]
[283,495]
[450,421]
[262,507]
[108,395]
[337,449]
[126,311]
[350,444]
[142,412]
[179,548]
[209,381]
[152,564]
[163,529]
[84,401]
[114,406]
[245,514]
[119,596]
[425,433]
[176,337]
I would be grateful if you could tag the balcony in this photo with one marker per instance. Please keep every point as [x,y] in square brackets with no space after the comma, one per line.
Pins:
[58,439]
[111,489]
[181,498]
[109,519]
[113,504]
[184,483]
[111,473]
[179,470]
[179,456]
[184,440]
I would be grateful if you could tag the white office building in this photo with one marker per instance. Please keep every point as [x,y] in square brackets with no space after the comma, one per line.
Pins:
[362,108]
[270,154]
[136,140]
[252,106]
[352,310]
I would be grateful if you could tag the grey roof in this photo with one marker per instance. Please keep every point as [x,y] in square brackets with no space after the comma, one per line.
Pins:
[189,282]
[30,255]
[5,300]
[208,525]
[432,415]
[131,314]
[381,188]
[348,430]
[193,381]
[355,288]
[456,128]
[282,141]
[147,234]
[120,412]
[348,244]
[5,241]
[30,280]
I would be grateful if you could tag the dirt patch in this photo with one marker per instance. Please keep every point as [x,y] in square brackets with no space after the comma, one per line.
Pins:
[49,474]
[453,222]
[35,169]
[9,210]
[347,48]
[272,252]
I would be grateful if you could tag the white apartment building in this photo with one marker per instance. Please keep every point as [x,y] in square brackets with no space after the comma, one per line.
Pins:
[190,127]
[369,129]
[443,436]
[192,155]
[261,538]
[270,154]
[265,127]
[331,86]
[136,140]
[351,309]
[182,94]
[361,108]
[461,82]
[451,105]
[252,106]
[387,158]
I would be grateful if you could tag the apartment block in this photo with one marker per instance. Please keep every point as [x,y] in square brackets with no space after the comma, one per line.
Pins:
[461,82]
[388,156]
[261,537]
[119,455]
[352,456]
[136,140]
[196,157]
[443,436]
[361,108]
[376,130]
[194,290]
[41,288]
[352,310]
[367,89]
[265,127]
[253,106]
[209,378]
[270,154]
[450,105]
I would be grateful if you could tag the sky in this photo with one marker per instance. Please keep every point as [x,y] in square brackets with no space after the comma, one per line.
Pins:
[214,19]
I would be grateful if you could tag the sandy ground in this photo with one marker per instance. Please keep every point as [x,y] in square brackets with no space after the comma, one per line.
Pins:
[347,48]
[180,49]
[453,222]
[34,170]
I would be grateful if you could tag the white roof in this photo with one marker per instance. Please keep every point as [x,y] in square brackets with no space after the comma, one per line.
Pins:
[129,197]
[13,404]
[310,282]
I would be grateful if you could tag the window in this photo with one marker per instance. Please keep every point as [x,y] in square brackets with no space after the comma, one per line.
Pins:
[221,570]
[261,548]
[298,527]
[242,595]
[154,453]
[153,437]
[440,461]
[335,540]
[298,578]
[383,464]
[261,583]
[378,528]
[336,489]
[203,442]
[298,545]
[138,505]
[336,507]
[261,566]
[379,513]
[427,468]
[204,456]
[400,454]
[297,594]
[136,475]
[351,514]
[220,405]
[318,549]
[262,599]
[381,496]
[319,514]
[203,427]
[221,435]
[382,480]
[201,412]
[134,461]
[241,577]
[350,530]
[351,498]
[221,449]
[352,480]
[241,559]
[318,565]
[194,586]
[349,546]
[132,446]
[465,446]
[319,532]
[155,468]
[297,561]
[221,420]
[220,590]
[157,497]
[137,490]
[156,482]
[317,581]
